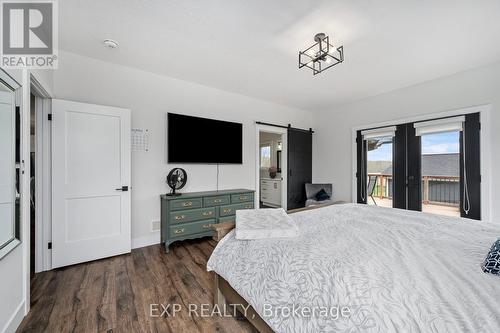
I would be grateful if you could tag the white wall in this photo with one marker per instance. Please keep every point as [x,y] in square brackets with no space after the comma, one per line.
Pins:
[332,153]
[150,97]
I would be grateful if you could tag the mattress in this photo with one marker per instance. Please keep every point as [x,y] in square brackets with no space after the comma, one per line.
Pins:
[391,270]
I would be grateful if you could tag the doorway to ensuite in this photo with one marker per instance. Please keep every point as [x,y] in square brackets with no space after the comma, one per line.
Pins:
[271,162]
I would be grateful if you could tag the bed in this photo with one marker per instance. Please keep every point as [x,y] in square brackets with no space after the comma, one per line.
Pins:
[394,270]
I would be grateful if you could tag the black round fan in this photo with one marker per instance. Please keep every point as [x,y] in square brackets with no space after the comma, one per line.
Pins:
[176,179]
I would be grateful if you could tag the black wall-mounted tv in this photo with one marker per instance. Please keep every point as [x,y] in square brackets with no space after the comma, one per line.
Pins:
[201,140]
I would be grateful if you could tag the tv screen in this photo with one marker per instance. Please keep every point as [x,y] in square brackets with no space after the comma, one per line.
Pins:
[201,140]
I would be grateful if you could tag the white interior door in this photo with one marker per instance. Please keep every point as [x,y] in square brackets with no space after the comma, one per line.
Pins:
[90,165]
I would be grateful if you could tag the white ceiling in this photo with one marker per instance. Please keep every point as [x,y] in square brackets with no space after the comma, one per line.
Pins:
[251,47]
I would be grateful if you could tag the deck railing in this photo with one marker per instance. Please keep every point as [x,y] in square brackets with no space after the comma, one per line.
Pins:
[440,190]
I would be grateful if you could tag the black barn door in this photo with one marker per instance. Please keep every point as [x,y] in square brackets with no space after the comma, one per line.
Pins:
[299,166]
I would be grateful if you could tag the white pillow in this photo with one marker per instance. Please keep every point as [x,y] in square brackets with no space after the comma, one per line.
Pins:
[264,223]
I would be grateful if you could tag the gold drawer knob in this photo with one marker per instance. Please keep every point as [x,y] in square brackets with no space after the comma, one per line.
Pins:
[180,217]
[178,231]
[217,200]
[248,206]
[207,213]
[227,210]
[243,198]
[187,204]
[207,226]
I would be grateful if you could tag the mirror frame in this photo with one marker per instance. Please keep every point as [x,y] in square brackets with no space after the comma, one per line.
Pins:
[7,247]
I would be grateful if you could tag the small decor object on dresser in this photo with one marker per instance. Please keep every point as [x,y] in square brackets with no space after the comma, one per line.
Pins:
[176,180]
[492,262]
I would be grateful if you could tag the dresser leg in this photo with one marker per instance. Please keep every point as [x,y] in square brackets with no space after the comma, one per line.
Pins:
[166,247]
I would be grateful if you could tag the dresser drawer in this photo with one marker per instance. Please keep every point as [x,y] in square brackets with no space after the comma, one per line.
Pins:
[191,228]
[231,210]
[244,197]
[186,203]
[216,201]
[182,216]
[231,218]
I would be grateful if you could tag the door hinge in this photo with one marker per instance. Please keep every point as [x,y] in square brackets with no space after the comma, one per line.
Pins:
[49,116]
[49,246]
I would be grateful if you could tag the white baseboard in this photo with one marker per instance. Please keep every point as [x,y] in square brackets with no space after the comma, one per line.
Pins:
[143,241]
[15,320]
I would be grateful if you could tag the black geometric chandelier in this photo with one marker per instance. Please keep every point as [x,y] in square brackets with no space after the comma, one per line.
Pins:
[322,55]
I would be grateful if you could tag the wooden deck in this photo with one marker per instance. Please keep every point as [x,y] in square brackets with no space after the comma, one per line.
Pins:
[427,208]
[114,294]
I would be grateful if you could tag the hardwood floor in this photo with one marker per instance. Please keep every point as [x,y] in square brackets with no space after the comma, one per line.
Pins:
[114,294]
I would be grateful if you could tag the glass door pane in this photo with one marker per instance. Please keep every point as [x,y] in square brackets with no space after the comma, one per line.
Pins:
[441,173]
[379,169]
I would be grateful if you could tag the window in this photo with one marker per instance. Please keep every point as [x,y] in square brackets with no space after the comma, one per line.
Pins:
[265,156]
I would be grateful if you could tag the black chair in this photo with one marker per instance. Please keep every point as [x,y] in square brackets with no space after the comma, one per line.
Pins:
[372,182]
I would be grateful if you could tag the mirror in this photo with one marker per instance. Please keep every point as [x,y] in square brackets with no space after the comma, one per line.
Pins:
[10,165]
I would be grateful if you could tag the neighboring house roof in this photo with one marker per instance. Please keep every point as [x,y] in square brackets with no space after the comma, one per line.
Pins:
[432,165]
[441,165]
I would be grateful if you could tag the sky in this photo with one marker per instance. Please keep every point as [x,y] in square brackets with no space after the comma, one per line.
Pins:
[439,143]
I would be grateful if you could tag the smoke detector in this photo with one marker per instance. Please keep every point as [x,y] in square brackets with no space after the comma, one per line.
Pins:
[112,44]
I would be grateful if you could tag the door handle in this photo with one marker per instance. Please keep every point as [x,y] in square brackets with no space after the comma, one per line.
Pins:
[123,189]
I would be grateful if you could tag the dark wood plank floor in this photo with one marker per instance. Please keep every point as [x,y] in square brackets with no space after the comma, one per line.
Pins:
[114,294]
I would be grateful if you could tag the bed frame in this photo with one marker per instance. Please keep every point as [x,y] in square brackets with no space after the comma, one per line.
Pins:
[224,293]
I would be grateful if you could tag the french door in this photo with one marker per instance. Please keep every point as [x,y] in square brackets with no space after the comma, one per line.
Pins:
[431,166]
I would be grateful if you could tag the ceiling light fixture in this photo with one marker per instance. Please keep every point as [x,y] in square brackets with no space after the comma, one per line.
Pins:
[322,55]
[112,44]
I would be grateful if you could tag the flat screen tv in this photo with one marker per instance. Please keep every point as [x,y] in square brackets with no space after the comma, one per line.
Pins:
[201,140]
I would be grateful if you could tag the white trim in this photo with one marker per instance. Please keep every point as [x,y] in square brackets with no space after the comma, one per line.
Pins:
[39,241]
[9,80]
[379,132]
[143,241]
[15,320]
[284,161]
[37,89]
[485,136]
[43,224]
[25,186]
[11,245]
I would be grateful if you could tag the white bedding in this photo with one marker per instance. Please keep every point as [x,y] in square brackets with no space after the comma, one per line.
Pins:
[396,271]
[264,223]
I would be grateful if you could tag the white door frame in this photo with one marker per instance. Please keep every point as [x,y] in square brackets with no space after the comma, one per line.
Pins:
[284,161]
[484,115]
[43,223]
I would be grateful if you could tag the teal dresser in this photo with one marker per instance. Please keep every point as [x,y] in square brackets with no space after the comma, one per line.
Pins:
[191,215]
